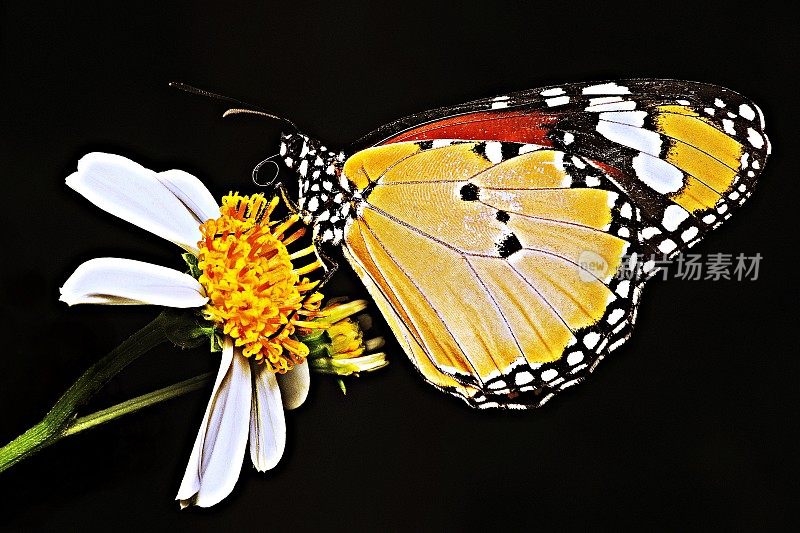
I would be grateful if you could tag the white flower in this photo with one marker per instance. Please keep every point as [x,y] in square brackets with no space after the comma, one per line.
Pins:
[247,400]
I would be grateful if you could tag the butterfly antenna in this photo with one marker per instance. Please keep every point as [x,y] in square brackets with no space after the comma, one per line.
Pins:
[242,107]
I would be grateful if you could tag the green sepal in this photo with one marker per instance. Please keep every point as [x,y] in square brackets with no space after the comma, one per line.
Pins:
[318,342]
[191,262]
[186,329]
[214,337]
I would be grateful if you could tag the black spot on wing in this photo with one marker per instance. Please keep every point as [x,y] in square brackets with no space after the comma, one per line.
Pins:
[469,192]
[502,216]
[509,245]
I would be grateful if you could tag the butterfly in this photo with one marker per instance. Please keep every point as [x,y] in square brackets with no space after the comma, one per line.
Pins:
[506,240]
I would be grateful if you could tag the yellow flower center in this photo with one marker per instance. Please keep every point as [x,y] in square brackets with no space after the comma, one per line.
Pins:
[255,293]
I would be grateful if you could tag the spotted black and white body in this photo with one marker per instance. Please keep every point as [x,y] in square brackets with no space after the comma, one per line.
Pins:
[326,199]
[672,160]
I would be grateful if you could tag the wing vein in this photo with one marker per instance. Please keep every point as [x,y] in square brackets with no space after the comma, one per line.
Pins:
[497,307]
[424,297]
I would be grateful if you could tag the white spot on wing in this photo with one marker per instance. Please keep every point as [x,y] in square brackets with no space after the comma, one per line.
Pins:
[755,138]
[591,339]
[494,151]
[673,216]
[547,375]
[615,316]
[574,358]
[631,118]
[552,92]
[558,100]
[604,100]
[624,288]
[760,115]
[523,378]
[643,140]
[747,112]
[667,246]
[606,88]
[689,234]
[727,125]
[650,232]
[657,173]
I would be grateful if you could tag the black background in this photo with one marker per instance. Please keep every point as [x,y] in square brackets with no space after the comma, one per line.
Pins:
[691,424]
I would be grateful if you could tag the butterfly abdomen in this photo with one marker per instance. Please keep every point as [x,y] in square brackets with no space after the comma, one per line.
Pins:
[326,200]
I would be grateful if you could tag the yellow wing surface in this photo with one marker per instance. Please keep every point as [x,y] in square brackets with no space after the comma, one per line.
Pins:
[503,276]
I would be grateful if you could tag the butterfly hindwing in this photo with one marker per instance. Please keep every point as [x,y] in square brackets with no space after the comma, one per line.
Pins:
[505,286]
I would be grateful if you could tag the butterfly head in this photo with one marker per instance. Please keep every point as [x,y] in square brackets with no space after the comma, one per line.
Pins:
[325,196]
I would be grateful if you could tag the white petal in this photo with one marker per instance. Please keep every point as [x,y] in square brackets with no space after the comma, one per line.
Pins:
[110,280]
[219,449]
[267,424]
[294,386]
[135,194]
[191,192]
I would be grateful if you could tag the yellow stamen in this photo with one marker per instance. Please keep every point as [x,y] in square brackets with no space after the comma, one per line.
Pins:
[294,236]
[254,292]
[302,253]
[311,267]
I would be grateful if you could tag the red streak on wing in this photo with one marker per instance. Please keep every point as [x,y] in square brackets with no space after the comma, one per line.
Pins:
[614,172]
[508,126]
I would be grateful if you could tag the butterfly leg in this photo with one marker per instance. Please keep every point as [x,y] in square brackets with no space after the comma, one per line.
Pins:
[290,204]
[330,267]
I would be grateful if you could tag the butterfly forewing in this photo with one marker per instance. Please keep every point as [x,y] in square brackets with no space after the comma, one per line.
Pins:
[687,153]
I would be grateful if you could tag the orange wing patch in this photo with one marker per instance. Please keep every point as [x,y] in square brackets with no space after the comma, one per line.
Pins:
[710,158]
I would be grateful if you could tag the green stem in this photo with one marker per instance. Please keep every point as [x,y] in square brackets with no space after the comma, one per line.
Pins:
[134,404]
[54,425]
